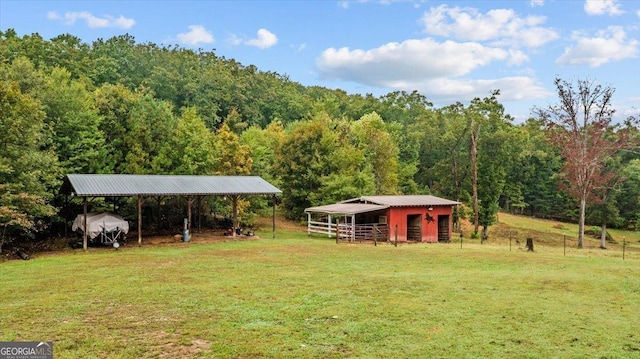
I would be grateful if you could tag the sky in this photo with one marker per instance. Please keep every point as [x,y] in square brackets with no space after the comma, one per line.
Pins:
[449,51]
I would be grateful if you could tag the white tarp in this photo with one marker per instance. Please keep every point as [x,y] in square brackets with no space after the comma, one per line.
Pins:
[99,222]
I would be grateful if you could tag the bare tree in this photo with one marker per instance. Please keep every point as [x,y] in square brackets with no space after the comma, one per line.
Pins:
[581,126]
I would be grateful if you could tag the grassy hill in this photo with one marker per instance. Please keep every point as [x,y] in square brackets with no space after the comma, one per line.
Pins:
[553,233]
[308,297]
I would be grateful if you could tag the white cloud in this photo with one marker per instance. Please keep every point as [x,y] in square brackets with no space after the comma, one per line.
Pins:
[638,13]
[436,69]
[410,60]
[608,45]
[70,18]
[511,88]
[501,26]
[345,3]
[197,34]
[535,3]
[517,57]
[600,7]
[264,40]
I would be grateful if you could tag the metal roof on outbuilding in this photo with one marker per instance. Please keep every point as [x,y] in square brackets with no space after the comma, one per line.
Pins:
[126,185]
[403,200]
[346,208]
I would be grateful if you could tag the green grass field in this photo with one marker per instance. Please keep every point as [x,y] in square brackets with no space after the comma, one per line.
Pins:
[301,297]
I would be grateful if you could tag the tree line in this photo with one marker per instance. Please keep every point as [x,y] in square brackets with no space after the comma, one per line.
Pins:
[118,106]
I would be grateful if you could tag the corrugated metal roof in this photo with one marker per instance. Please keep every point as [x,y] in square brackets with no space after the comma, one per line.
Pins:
[346,208]
[404,200]
[125,185]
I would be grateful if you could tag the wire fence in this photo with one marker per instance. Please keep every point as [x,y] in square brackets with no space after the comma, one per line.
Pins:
[565,244]
[553,243]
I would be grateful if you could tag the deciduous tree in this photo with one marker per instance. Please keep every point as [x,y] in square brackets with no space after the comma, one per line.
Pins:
[581,126]
[28,174]
[380,151]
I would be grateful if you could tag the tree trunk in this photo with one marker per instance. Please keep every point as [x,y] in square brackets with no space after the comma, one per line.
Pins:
[4,231]
[530,245]
[603,236]
[474,180]
[583,207]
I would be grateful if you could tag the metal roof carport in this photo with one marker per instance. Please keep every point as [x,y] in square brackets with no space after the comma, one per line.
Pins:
[140,186]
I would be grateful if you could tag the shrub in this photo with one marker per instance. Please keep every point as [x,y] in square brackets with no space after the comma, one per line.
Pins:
[595,232]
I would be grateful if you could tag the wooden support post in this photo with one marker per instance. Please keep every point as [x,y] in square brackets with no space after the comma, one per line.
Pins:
[189,203]
[84,224]
[199,210]
[66,216]
[159,219]
[375,235]
[395,242]
[273,218]
[353,227]
[139,221]
[234,198]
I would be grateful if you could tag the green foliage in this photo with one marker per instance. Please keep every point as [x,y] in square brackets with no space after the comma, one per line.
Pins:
[136,127]
[596,232]
[495,154]
[118,106]
[628,198]
[326,160]
[75,123]
[302,161]
[28,174]
[233,157]
[189,150]
[380,152]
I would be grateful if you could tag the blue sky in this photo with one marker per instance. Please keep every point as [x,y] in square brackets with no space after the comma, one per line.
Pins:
[448,51]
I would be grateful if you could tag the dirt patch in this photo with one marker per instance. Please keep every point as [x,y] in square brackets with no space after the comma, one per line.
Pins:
[174,349]
[61,244]
[209,236]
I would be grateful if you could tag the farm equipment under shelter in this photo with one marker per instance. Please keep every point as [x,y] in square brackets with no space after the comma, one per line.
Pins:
[102,228]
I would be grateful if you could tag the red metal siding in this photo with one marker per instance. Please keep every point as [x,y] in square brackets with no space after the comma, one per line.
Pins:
[397,218]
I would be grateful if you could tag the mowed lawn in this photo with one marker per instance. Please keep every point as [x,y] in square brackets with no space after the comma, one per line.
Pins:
[301,297]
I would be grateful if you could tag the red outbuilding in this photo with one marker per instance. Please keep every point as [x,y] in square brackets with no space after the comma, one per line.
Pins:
[415,218]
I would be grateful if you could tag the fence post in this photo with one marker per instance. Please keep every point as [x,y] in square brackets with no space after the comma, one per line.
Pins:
[624,244]
[396,237]
[375,235]
[565,244]
[509,240]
